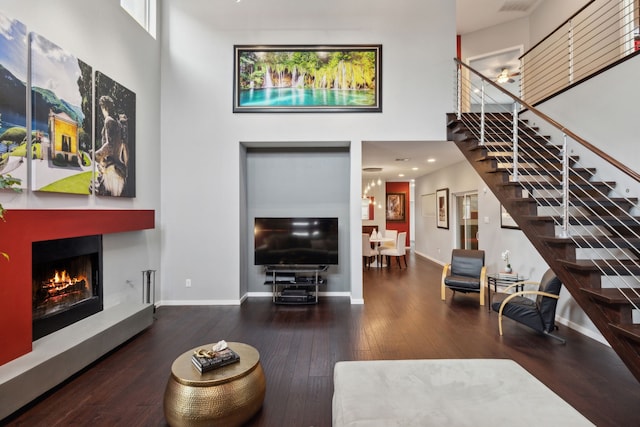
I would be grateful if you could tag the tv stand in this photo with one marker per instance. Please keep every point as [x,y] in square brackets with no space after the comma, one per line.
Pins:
[295,284]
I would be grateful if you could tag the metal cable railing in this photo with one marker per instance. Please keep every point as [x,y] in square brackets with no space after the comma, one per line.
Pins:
[583,206]
[599,35]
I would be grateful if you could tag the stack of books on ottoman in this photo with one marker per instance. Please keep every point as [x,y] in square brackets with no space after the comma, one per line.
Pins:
[220,355]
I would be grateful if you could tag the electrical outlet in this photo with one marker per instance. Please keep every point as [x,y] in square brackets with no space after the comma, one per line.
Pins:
[188,283]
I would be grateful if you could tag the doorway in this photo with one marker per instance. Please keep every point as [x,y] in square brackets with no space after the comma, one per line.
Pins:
[466,220]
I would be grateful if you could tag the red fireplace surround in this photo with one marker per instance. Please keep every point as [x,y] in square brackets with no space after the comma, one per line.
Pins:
[20,229]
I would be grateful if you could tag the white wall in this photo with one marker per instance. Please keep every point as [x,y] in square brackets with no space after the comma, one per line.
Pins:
[550,14]
[432,242]
[612,95]
[104,36]
[201,135]
[501,37]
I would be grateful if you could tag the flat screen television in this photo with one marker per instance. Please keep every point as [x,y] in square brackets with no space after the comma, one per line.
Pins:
[296,241]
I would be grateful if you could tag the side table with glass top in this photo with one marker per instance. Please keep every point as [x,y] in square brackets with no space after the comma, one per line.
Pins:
[503,280]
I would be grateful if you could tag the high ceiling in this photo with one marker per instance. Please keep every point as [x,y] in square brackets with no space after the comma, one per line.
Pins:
[474,15]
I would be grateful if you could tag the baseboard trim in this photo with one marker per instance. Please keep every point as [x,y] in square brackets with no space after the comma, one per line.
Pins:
[248,295]
[429,258]
[199,302]
[581,329]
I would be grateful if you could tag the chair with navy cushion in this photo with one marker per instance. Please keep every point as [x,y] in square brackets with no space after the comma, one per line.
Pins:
[466,273]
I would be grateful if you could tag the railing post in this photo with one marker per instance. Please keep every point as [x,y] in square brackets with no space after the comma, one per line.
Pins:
[482,113]
[564,232]
[514,176]
[459,84]
[570,51]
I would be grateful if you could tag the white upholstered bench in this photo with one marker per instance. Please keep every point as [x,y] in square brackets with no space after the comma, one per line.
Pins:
[445,392]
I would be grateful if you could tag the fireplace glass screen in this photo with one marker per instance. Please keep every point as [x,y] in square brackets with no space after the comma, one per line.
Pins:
[66,282]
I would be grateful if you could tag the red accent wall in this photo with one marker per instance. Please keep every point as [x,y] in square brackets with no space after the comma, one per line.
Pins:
[400,187]
[17,232]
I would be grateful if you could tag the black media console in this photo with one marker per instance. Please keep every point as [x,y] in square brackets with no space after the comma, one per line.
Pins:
[295,284]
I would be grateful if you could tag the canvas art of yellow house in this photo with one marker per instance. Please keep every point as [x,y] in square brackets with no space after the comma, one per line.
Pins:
[64,137]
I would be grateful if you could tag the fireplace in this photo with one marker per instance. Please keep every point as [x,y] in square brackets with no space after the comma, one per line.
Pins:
[66,282]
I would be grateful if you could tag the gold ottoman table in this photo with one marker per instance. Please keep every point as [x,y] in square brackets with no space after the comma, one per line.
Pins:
[227,396]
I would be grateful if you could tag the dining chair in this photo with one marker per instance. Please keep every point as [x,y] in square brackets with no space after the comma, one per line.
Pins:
[400,250]
[367,251]
[389,234]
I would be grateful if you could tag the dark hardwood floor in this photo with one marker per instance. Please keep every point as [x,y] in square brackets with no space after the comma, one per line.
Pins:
[403,318]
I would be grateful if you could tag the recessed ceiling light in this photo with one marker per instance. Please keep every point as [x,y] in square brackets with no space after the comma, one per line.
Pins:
[414,169]
[400,175]
[431,160]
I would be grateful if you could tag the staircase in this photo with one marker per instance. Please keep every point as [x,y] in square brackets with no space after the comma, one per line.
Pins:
[583,230]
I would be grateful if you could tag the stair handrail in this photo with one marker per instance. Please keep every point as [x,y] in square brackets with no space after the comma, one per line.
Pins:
[614,162]
[580,215]
[598,36]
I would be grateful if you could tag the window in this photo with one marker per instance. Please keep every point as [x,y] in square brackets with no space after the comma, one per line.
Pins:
[143,11]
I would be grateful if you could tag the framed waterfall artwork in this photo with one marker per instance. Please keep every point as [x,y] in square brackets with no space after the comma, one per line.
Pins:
[293,78]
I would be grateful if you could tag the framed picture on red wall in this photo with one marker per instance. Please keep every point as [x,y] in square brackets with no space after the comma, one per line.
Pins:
[395,207]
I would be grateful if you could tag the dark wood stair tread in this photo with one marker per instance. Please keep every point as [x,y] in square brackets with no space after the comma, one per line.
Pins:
[547,185]
[591,202]
[591,220]
[596,242]
[614,295]
[543,171]
[609,267]
[631,331]
[578,189]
